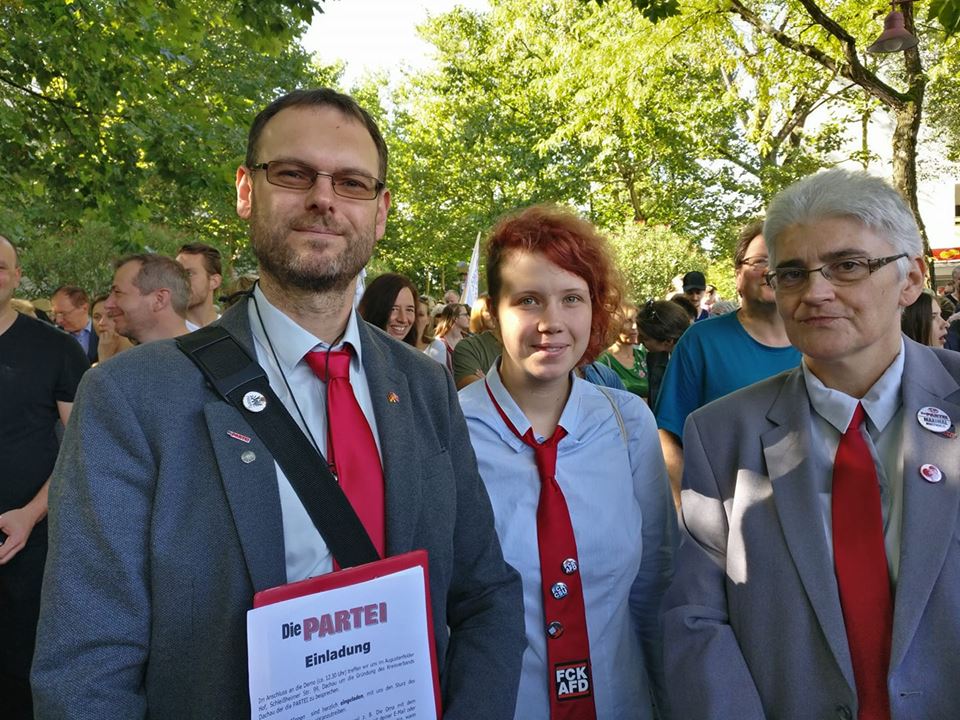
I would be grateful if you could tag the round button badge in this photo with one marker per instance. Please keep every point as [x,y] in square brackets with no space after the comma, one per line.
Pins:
[254,401]
[933,419]
[931,473]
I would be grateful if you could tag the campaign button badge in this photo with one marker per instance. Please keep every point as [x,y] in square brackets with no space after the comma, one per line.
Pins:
[254,402]
[248,456]
[931,473]
[934,419]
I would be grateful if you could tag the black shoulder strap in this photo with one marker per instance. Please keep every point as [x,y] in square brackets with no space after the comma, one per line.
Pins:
[239,380]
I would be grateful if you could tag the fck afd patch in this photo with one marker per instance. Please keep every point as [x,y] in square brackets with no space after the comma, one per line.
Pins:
[572,681]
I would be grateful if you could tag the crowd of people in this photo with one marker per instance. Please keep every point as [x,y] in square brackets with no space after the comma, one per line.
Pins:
[646,508]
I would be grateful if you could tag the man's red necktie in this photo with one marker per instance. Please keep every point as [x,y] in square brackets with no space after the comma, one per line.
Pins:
[351,450]
[570,678]
[861,565]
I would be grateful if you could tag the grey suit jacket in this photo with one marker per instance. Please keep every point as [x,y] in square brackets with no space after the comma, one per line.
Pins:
[160,535]
[753,627]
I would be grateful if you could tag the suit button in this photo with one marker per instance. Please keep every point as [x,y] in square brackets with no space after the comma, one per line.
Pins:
[844,712]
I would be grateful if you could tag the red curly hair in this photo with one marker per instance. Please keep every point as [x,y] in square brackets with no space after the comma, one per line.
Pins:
[574,245]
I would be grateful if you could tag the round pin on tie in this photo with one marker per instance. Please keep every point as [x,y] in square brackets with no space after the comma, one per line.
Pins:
[933,419]
[931,473]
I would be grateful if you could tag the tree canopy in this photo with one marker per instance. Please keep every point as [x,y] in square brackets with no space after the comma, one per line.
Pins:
[665,122]
[128,119]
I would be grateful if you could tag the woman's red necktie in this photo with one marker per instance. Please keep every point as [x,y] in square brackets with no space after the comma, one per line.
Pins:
[570,679]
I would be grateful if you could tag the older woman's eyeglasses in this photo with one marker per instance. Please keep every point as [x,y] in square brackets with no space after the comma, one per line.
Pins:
[839,272]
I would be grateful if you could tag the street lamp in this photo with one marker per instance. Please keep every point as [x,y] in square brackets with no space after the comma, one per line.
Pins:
[895,36]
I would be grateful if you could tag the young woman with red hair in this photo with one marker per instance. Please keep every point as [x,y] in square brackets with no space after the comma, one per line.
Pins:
[575,475]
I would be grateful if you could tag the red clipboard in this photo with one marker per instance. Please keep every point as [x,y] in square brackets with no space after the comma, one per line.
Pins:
[359,574]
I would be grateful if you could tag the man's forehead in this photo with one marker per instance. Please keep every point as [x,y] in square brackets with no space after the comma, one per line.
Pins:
[127,271]
[7,251]
[299,131]
[190,259]
[757,246]
[62,298]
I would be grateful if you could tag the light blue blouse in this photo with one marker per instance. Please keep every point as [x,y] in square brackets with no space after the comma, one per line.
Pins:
[623,517]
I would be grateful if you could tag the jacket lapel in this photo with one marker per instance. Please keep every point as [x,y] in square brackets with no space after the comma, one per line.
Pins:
[393,408]
[786,449]
[929,509]
[252,494]
[250,487]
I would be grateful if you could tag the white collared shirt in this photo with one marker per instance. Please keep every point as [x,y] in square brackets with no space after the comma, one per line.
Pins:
[832,413]
[617,493]
[306,553]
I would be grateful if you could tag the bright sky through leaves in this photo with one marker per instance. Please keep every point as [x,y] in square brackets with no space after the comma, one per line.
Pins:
[376,34]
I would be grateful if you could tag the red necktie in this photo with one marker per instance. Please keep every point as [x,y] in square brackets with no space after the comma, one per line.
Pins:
[570,680]
[861,566]
[351,450]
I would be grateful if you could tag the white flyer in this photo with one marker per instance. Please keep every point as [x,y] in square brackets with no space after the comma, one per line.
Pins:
[356,644]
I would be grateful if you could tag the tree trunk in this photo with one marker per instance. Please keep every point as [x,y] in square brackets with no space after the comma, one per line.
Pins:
[905,158]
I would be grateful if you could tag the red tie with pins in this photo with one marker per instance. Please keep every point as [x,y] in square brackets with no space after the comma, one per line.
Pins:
[569,676]
[351,449]
[861,566]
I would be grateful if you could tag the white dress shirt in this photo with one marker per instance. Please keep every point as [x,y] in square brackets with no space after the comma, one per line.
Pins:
[306,552]
[618,496]
[831,413]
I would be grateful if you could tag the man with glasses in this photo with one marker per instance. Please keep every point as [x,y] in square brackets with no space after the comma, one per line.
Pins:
[71,311]
[819,573]
[725,353]
[169,513]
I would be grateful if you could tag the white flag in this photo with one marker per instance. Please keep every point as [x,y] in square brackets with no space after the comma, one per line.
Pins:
[471,288]
[361,286]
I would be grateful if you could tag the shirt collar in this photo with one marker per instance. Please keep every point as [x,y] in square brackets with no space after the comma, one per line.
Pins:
[880,403]
[85,330]
[569,418]
[290,341]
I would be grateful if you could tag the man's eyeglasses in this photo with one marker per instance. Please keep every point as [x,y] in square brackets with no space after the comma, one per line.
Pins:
[63,313]
[756,262]
[297,176]
[838,272]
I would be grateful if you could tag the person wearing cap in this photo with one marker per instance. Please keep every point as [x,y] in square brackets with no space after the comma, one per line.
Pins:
[818,574]
[723,354]
[694,286]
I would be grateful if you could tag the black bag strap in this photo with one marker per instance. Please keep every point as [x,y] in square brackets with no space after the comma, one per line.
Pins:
[238,378]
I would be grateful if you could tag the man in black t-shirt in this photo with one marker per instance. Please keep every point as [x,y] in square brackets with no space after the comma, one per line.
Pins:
[40,368]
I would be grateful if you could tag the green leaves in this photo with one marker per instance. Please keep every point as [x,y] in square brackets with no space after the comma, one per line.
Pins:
[133,115]
[653,10]
[947,13]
